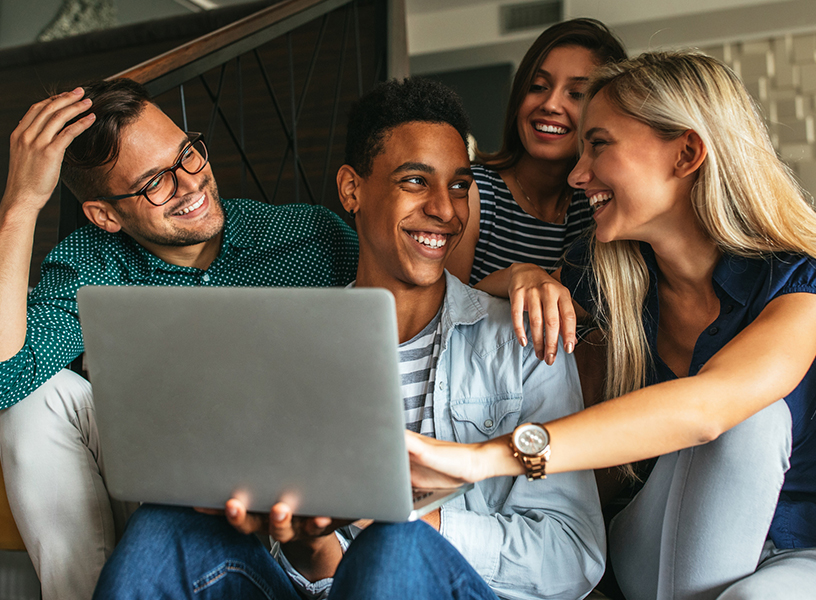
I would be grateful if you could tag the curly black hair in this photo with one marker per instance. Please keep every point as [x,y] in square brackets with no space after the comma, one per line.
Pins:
[393,103]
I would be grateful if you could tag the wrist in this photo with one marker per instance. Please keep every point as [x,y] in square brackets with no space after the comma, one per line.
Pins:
[17,214]
[495,459]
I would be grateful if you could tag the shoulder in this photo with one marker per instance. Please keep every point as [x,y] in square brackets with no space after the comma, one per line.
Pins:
[486,178]
[285,222]
[89,247]
[484,320]
[759,280]
[792,273]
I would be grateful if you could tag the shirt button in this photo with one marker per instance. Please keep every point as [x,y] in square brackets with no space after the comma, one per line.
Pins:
[205,277]
[441,385]
[488,423]
[728,309]
[713,330]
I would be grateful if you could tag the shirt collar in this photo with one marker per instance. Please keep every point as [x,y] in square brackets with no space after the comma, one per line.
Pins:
[462,305]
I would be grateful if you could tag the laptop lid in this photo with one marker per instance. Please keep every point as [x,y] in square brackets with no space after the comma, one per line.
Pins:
[263,394]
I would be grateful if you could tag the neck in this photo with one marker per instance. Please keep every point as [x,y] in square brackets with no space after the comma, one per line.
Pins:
[199,256]
[545,182]
[416,305]
[686,260]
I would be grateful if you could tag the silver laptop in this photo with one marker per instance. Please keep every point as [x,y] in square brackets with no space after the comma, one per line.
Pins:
[263,394]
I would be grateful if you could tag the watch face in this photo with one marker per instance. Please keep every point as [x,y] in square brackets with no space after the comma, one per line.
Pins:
[532,439]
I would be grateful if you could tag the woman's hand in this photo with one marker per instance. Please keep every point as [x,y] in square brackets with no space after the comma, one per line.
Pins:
[438,464]
[547,302]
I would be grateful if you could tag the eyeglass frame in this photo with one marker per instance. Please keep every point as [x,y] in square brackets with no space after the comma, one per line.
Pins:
[194,138]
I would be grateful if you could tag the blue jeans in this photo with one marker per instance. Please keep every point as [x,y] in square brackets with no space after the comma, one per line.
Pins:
[170,552]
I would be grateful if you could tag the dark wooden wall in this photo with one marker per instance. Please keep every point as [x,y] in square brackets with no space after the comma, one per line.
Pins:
[31,73]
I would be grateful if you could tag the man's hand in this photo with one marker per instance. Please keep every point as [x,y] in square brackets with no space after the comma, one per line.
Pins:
[434,518]
[38,145]
[308,542]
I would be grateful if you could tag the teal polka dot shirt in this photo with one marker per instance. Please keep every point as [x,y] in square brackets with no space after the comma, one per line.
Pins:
[263,245]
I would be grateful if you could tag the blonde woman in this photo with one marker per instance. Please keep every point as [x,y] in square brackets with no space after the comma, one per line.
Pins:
[702,271]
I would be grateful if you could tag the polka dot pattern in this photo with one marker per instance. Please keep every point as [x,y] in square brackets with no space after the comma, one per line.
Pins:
[264,245]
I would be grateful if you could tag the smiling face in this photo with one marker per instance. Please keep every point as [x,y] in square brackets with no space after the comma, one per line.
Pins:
[412,208]
[637,183]
[548,116]
[193,216]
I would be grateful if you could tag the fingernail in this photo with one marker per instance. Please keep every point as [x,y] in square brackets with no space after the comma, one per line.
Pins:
[278,517]
[569,347]
[550,359]
[78,91]
[524,340]
[232,511]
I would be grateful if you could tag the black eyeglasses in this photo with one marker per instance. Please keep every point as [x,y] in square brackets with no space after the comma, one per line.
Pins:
[163,185]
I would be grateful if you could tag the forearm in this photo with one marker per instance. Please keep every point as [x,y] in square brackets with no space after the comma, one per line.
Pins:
[649,422]
[16,242]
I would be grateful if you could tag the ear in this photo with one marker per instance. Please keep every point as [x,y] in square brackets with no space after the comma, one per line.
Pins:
[102,214]
[348,188]
[692,154]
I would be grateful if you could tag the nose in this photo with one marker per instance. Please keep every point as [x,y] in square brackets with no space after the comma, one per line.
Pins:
[440,205]
[188,183]
[581,175]
[551,102]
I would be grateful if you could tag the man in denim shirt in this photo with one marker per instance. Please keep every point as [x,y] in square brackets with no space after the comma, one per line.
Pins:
[406,183]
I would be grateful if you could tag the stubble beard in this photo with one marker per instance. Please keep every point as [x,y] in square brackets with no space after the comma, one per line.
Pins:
[179,237]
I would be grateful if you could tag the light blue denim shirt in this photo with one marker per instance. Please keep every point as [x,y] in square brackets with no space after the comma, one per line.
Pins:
[539,539]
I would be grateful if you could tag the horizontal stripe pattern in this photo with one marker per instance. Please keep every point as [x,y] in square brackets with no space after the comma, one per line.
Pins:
[509,235]
[417,368]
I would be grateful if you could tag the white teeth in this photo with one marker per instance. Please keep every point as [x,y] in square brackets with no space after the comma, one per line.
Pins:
[429,241]
[599,198]
[192,207]
[550,128]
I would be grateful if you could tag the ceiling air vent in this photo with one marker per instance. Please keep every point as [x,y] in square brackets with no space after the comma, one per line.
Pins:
[530,15]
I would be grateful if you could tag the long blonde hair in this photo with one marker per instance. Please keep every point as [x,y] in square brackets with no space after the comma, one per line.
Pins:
[746,199]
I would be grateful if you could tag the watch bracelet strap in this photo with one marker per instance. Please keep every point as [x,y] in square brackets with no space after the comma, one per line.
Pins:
[535,466]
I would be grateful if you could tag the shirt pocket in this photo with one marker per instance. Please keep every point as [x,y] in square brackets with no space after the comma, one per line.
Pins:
[477,420]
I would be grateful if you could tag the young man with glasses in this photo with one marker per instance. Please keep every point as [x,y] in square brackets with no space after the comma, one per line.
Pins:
[156,219]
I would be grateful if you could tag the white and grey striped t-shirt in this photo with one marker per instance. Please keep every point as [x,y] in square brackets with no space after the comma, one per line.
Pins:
[417,366]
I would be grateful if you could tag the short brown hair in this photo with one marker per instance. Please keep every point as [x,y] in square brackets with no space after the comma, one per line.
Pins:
[116,104]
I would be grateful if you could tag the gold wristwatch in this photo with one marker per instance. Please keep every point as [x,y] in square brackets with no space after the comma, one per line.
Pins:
[530,444]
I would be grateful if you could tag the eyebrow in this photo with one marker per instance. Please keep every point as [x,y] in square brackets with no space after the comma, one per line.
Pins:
[414,166]
[424,168]
[545,73]
[154,170]
[590,132]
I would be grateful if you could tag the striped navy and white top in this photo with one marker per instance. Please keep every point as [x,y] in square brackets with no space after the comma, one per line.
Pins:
[417,367]
[509,235]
